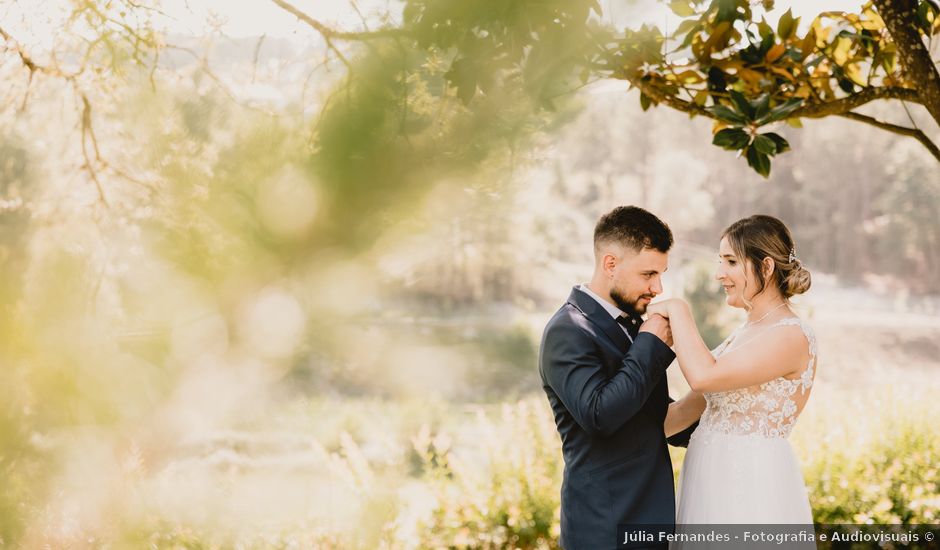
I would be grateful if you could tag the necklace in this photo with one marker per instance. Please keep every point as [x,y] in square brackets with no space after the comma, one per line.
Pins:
[764,316]
[734,335]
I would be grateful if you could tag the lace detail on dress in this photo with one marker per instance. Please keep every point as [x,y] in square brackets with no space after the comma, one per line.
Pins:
[767,409]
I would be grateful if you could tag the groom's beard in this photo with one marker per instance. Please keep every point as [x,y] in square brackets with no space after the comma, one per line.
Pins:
[626,304]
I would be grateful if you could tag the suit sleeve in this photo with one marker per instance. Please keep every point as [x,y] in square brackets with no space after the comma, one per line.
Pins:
[575,372]
[681,439]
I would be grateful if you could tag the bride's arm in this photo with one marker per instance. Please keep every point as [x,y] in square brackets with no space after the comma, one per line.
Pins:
[777,356]
[683,413]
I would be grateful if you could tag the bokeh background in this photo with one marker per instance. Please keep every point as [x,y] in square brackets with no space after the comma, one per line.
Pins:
[264,287]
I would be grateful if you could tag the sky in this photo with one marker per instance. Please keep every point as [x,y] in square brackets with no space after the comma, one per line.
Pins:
[32,21]
[247,18]
[252,17]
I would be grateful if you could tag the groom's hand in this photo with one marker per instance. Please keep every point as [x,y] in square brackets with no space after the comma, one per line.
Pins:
[658,326]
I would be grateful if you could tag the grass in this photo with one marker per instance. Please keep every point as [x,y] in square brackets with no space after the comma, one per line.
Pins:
[372,474]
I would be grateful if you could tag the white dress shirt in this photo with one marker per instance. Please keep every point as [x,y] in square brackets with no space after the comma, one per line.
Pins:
[610,308]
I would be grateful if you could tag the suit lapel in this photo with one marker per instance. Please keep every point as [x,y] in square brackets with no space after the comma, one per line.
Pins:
[599,316]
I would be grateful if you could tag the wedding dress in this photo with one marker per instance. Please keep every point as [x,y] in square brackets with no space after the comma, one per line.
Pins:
[739,467]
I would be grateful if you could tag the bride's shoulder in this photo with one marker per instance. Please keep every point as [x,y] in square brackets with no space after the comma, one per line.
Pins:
[797,328]
[795,322]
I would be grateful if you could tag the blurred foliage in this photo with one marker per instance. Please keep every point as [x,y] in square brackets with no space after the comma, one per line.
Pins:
[879,469]
[394,127]
[879,228]
[501,362]
[723,60]
[532,44]
[706,303]
[464,359]
[22,468]
[468,247]
[909,209]
[492,479]
[503,495]
[181,262]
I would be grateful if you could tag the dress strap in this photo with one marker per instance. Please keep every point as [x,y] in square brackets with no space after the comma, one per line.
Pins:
[806,378]
[807,331]
[786,321]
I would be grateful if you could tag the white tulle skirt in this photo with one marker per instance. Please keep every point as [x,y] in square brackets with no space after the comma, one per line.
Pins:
[741,479]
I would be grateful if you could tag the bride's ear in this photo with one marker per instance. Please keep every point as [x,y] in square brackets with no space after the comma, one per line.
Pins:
[767,268]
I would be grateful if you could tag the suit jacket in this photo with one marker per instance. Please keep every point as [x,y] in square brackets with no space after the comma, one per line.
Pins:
[609,399]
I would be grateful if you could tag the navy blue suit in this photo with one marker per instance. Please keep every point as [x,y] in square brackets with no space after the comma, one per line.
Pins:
[609,399]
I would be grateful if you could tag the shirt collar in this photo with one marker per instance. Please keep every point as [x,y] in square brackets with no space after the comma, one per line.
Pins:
[613,310]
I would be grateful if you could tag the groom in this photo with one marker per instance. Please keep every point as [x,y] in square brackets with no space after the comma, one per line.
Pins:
[604,370]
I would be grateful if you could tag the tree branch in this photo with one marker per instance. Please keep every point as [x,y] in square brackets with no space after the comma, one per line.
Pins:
[900,16]
[330,34]
[88,129]
[657,96]
[88,132]
[812,110]
[203,62]
[27,60]
[851,102]
[894,128]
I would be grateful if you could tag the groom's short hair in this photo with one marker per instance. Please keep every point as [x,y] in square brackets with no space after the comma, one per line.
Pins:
[632,227]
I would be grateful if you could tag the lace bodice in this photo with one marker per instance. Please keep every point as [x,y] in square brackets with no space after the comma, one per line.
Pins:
[769,409]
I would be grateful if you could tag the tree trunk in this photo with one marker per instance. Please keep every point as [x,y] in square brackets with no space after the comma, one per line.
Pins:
[900,16]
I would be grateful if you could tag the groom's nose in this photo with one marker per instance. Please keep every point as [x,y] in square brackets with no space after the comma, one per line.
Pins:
[656,286]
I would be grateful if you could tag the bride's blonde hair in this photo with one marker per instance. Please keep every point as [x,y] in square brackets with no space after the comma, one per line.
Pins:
[761,236]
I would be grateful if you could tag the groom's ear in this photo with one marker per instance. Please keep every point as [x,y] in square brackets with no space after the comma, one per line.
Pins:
[609,262]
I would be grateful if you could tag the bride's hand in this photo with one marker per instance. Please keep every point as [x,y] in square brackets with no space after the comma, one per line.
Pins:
[660,308]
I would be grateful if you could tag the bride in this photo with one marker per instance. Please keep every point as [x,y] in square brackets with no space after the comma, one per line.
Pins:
[739,467]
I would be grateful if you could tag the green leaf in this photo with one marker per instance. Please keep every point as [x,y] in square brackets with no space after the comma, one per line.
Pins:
[889,62]
[697,28]
[764,145]
[686,26]
[463,76]
[585,75]
[758,161]
[764,29]
[765,44]
[727,10]
[742,104]
[762,106]
[644,101]
[925,16]
[782,145]
[546,102]
[846,85]
[682,8]
[786,25]
[782,111]
[595,5]
[732,139]
[701,97]
[717,79]
[728,114]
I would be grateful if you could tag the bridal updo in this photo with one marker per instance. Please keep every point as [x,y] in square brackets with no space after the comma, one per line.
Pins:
[758,237]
